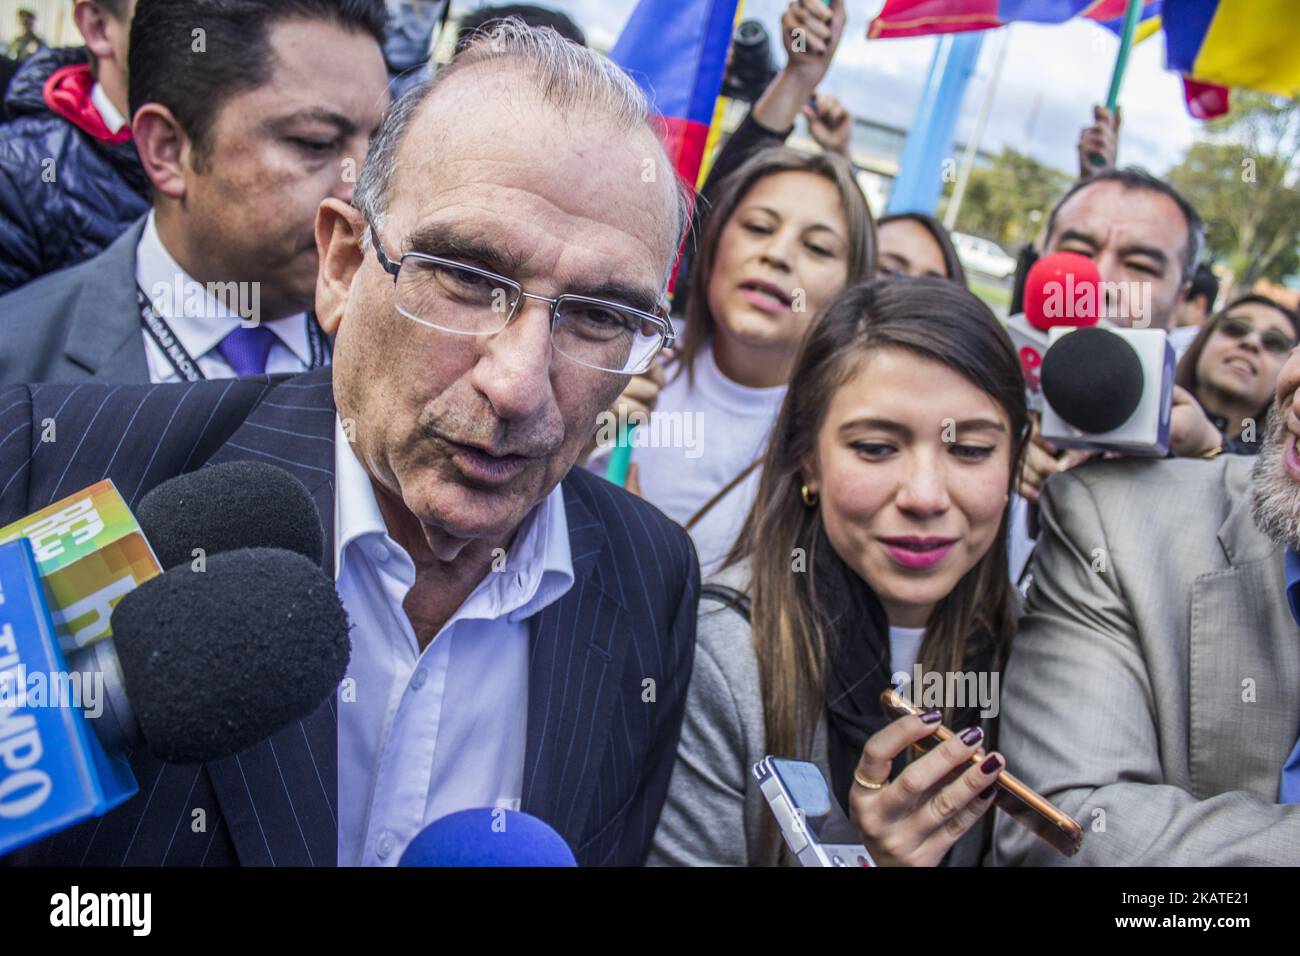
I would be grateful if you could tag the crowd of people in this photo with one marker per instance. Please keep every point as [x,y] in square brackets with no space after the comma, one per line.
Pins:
[433,284]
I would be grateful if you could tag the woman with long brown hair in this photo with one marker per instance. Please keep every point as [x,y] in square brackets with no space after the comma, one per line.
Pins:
[787,231]
[876,547]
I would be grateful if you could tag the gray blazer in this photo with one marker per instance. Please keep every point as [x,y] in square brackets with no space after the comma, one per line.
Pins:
[1153,691]
[715,814]
[79,324]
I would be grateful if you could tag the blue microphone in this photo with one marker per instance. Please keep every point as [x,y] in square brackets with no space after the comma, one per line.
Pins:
[488,836]
[54,771]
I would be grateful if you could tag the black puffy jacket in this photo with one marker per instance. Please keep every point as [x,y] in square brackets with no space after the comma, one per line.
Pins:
[58,214]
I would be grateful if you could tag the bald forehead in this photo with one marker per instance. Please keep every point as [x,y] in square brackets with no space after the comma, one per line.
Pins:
[491,114]
[559,200]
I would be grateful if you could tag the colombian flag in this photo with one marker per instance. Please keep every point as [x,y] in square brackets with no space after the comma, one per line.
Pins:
[677,51]
[1251,43]
[911,18]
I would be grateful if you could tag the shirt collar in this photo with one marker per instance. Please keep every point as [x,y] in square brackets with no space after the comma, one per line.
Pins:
[1292,562]
[534,573]
[356,510]
[107,111]
[174,293]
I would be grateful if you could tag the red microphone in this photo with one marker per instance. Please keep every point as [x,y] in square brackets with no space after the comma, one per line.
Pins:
[1063,288]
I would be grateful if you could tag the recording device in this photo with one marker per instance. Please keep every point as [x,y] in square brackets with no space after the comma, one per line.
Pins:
[1061,290]
[1108,390]
[811,821]
[488,836]
[1014,798]
[238,504]
[751,68]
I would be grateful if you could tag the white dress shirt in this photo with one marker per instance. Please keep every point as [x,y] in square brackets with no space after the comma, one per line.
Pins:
[175,296]
[730,420]
[426,733]
[107,111]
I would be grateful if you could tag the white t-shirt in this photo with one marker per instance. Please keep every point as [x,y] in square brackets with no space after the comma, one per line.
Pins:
[904,645]
[699,438]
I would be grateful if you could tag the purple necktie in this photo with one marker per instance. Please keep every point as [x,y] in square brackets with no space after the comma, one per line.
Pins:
[246,349]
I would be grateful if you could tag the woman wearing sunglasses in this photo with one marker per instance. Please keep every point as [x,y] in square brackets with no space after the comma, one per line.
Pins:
[1231,370]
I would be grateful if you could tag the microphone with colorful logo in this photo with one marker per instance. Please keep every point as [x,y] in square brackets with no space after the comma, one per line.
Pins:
[1062,290]
[102,652]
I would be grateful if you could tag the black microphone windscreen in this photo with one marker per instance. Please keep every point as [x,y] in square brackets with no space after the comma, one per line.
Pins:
[238,504]
[217,660]
[1093,379]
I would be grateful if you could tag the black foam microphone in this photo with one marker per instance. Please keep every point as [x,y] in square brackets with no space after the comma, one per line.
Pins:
[1093,379]
[204,664]
[1108,390]
[238,504]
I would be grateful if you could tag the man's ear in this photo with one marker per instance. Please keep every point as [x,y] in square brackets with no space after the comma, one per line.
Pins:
[90,24]
[165,150]
[339,228]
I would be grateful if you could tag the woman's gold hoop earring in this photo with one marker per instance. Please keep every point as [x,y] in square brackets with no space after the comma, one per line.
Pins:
[809,496]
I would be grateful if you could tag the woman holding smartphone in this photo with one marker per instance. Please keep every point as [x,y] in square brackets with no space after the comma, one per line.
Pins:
[876,544]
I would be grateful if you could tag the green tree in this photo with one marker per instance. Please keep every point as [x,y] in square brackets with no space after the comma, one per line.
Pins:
[1008,200]
[1241,176]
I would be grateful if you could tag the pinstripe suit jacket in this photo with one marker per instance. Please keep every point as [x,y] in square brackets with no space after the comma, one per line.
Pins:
[600,740]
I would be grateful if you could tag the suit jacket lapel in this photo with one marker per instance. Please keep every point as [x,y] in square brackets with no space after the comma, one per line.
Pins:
[1244,663]
[104,337]
[280,797]
[577,646]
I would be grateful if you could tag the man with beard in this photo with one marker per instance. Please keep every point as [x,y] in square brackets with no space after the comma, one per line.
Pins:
[1153,691]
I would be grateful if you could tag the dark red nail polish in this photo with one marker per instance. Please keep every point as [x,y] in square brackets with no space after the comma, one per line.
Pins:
[988,793]
[991,763]
[931,717]
[971,736]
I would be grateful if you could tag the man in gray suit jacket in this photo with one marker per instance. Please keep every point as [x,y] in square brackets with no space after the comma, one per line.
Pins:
[1153,691]
[241,146]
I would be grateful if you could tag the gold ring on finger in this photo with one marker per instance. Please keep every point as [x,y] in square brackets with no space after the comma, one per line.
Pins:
[863,782]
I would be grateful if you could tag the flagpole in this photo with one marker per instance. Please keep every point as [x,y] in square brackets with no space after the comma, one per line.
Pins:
[1132,16]
[929,140]
[620,457]
[973,145]
[719,111]
[1131,19]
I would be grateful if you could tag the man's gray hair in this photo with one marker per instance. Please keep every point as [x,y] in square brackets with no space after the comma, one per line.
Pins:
[568,76]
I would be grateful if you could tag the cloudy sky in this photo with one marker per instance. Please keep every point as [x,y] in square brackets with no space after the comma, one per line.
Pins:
[1051,78]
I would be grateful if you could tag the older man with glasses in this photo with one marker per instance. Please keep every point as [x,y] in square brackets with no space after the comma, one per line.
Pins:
[523,631]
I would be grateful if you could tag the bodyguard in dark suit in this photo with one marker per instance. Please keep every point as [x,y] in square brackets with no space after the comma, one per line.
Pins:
[241,138]
[522,632]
